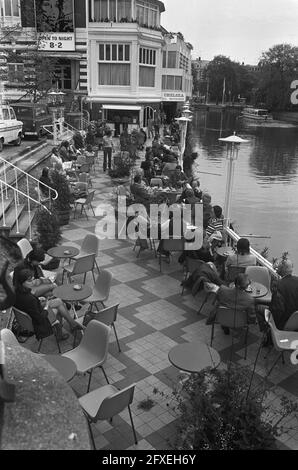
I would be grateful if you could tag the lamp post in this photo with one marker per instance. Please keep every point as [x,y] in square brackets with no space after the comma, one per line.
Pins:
[183,120]
[56,105]
[233,144]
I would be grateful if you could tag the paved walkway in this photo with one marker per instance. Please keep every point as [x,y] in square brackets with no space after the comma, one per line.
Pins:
[154,317]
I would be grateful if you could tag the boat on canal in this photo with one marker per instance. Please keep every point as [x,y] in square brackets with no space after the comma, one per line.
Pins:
[257,114]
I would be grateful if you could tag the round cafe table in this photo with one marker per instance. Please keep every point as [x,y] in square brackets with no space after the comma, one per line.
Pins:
[63,251]
[64,365]
[193,357]
[255,289]
[258,289]
[225,251]
[69,294]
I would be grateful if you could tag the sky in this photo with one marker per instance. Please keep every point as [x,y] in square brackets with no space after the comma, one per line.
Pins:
[239,29]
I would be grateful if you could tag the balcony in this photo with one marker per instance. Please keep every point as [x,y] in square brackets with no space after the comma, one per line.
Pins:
[129,27]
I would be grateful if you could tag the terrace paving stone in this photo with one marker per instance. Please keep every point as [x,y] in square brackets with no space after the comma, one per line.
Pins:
[153,317]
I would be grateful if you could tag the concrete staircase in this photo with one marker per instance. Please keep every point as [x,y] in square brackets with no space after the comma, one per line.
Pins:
[18,200]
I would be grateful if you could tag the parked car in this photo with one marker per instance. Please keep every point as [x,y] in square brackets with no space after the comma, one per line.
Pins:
[10,127]
[34,117]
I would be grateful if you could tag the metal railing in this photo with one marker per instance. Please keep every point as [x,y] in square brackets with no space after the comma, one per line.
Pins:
[4,186]
[231,240]
[8,166]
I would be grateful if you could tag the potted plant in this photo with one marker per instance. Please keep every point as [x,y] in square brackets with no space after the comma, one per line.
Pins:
[61,205]
[218,409]
[47,232]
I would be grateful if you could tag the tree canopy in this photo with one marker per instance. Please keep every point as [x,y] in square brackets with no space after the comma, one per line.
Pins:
[237,78]
[278,67]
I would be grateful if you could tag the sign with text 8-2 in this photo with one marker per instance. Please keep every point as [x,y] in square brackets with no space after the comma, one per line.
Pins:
[57,42]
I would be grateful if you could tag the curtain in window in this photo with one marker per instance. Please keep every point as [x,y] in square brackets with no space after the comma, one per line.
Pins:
[124,9]
[15,7]
[7,5]
[114,74]
[112,9]
[147,76]
[172,60]
[178,83]
[97,10]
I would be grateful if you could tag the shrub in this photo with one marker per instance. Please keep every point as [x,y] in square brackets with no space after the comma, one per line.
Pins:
[218,410]
[59,182]
[48,232]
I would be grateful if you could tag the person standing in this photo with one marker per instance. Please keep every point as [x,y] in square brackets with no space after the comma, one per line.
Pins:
[150,129]
[107,144]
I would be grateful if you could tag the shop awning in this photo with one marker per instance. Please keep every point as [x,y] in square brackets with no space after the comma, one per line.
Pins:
[125,107]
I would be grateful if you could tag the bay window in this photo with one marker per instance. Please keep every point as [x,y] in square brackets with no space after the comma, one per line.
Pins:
[147,60]
[146,13]
[114,64]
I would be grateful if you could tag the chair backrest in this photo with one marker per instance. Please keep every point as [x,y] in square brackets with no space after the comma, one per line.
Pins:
[232,272]
[81,186]
[90,159]
[156,182]
[274,331]
[259,274]
[25,247]
[90,197]
[95,341]
[116,403]
[90,244]
[103,283]
[173,244]
[83,264]
[230,317]
[85,168]
[8,337]
[23,319]
[108,315]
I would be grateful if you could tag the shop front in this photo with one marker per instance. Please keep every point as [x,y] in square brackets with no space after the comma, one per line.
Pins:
[120,117]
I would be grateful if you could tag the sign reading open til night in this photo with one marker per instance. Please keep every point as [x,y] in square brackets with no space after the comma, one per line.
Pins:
[55,25]
[57,42]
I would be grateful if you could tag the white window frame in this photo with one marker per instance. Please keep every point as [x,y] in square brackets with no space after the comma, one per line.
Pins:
[150,7]
[105,61]
[13,4]
[111,44]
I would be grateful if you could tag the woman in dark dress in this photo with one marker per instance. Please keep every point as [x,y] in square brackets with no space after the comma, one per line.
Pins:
[42,318]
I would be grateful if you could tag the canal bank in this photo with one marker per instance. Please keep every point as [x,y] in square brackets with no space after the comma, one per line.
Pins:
[266,178]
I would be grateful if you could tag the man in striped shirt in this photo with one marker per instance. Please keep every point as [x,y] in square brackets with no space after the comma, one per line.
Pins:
[216,223]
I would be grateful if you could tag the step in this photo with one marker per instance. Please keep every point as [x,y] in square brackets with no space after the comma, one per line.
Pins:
[5,207]
[24,222]
[10,215]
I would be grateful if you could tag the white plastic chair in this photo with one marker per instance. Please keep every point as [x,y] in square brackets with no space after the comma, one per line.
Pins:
[80,266]
[84,202]
[90,246]
[108,316]
[25,247]
[92,351]
[282,340]
[101,290]
[106,402]
[156,182]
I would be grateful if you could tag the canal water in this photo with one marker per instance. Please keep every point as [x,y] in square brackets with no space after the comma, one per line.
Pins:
[265,190]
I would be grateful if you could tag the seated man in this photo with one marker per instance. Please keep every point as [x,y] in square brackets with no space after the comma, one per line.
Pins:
[178,178]
[236,298]
[140,190]
[215,223]
[284,303]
